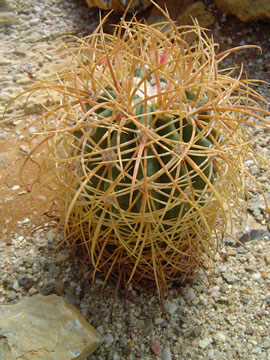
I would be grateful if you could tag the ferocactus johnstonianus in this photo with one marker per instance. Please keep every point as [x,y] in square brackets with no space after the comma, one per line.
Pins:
[147,150]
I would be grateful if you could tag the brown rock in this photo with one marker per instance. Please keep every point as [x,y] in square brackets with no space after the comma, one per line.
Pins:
[196,11]
[246,291]
[59,287]
[246,10]
[231,252]
[136,5]
[155,348]
[27,283]
[249,331]
[182,12]
[174,8]
[8,241]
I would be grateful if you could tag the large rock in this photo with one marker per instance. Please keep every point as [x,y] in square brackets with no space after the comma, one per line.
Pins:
[45,327]
[120,5]
[182,12]
[246,10]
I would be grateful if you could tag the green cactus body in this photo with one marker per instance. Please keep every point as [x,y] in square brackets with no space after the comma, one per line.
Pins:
[167,146]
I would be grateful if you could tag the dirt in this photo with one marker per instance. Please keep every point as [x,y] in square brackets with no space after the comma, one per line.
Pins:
[19,204]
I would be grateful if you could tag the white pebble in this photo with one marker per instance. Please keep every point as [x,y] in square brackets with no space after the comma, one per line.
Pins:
[211,354]
[220,337]
[32,130]
[42,198]
[256,276]
[166,354]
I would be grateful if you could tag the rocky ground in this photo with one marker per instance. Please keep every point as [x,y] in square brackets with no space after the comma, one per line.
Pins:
[228,318]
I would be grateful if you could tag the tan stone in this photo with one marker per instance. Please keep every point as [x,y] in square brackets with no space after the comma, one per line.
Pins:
[246,10]
[120,5]
[45,327]
[174,8]
[182,12]
[8,19]
[196,11]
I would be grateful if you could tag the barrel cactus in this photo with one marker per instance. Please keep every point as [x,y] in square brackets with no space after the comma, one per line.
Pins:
[146,149]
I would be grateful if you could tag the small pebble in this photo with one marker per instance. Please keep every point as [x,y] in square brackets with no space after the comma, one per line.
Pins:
[34,21]
[256,350]
[54,270]
[249,331]
[166,354]
[43,261]
[170,307]
[189,295]
[47,289]
[256,276]
[42,198]
[123,341]
[196,331]
[244,299]
[148,324]
[211,354]
[100,329]
[204,343]
[108,339]
[8,241]
[27,283]
[155,348]
[220,337]
[230,278]
[32,291]
[59,287]
[12,295]
[16,286]
[158,321]
[3,136]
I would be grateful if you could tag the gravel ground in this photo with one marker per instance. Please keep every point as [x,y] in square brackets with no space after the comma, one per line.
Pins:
[226,318]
